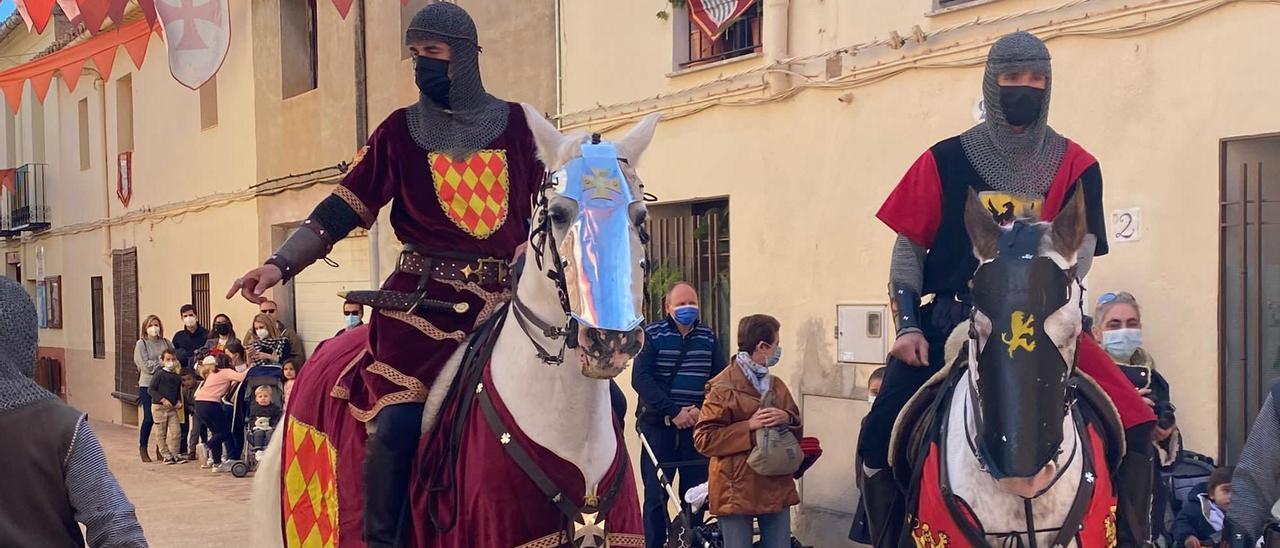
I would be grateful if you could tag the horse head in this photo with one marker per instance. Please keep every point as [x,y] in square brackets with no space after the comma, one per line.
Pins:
[585,247]
[1027,317]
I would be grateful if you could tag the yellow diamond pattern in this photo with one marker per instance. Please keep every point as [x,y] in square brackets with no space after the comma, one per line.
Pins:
[310,488]
[474,193]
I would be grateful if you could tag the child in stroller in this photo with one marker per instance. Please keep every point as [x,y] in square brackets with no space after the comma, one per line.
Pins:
[243,424]
[263,416]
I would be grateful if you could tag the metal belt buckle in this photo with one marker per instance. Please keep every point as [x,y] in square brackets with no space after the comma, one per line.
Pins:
[402,264]
[479,270]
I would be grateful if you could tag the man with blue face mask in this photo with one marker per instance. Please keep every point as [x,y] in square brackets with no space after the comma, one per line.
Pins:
[352,317]
[680,355]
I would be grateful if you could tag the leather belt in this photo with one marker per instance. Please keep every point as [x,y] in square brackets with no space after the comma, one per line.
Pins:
[483,271]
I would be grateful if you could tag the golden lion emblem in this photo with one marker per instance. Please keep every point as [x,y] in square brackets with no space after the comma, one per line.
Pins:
[925,538]
[1023,336]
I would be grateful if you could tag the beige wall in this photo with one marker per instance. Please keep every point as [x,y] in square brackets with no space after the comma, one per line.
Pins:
[805,175]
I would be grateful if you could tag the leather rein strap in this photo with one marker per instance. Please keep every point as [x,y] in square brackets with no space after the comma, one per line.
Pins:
[542,239]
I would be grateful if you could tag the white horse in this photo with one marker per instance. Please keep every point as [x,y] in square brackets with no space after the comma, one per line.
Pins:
[563,409]
[1000,449]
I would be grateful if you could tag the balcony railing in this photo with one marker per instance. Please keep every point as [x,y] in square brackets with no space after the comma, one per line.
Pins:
[25,209]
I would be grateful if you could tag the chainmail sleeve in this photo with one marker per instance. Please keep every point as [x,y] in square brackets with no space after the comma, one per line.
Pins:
[906,267]
[100,504]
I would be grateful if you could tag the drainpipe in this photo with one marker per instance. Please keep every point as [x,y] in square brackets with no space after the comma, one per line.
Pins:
[101,86]
[362,130]
[559,66]
[775,43]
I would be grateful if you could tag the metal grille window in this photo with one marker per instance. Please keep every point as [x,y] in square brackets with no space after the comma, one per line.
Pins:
[690,242]
[742,37]
[97,317]
[944,4]
[53,301]
[200,297]
[124,278]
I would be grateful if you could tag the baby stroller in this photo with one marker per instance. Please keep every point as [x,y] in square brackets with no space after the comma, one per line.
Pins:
[271,376]
[682,533]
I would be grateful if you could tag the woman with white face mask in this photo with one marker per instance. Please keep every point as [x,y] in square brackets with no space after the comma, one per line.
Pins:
[264,343]
[1118,327]
[146,356]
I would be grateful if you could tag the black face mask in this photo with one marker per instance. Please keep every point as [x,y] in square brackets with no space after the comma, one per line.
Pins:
[221,329]
[1021,104]
[432,77]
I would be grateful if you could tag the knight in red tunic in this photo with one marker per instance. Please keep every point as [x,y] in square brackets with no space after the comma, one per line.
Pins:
[1020,168]
[459,168]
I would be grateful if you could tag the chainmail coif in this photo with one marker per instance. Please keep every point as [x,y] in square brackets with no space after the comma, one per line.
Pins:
[1015,162]
[18,339]
[476,117]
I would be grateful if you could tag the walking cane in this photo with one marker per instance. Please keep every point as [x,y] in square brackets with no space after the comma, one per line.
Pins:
[666,482]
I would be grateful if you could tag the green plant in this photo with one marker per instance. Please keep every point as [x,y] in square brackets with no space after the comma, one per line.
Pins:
[665,14]
[660,279]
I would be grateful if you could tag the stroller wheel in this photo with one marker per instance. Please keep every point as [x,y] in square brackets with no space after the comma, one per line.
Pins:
[240,469]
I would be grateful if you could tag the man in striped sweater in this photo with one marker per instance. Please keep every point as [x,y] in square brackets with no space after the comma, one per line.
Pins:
[680,355]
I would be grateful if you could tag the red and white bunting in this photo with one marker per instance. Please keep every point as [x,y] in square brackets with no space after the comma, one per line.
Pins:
[713,16]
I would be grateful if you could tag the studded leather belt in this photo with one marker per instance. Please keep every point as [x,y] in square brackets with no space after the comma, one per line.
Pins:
[483,271]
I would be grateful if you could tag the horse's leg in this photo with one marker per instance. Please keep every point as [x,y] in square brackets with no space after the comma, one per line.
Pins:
[266,527]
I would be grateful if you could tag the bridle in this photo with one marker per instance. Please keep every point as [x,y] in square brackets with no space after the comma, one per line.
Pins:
[541,239]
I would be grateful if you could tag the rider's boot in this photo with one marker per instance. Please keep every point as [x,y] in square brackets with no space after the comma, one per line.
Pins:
[386,482]
[885,507]
[1135,485]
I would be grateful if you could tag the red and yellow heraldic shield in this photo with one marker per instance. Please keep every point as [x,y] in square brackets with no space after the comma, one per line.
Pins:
[310,488]
[474,192]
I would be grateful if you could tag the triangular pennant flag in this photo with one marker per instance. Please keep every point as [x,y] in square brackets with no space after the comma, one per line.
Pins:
[404,2]
[148,10]
[36,13]
[103,60]
[70,73]
[137,49]
[71,10]
[7,177]
[116,11]
[40,83]
[13,93]
[344,7]
[93,13]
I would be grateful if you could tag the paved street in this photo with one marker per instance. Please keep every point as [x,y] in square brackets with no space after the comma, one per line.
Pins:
[179,505]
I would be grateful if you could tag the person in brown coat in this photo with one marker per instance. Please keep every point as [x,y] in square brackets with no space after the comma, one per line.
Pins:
[725,432]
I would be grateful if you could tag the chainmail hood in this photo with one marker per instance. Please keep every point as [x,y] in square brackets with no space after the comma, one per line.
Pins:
[476,117]
[18,338]
[1015,162]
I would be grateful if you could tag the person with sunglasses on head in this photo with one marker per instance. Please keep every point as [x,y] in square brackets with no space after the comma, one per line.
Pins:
[457,138]
[352,317]
[272,310]
[1118,327]
[1018,167]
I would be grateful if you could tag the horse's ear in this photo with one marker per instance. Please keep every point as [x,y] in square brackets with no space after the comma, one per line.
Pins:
[552,145]
[632,145]
[1070,226]
[984,233]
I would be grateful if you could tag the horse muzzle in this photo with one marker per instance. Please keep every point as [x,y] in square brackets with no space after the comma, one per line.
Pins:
[1032,486]
[603,353]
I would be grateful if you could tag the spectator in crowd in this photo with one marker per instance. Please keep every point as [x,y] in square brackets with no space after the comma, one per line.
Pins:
[57,476]
[873,384]
[264,342]
[1199,523]
[196,435]
[223,333]
[209,405]
[272,311]
[238,355]
[166,395]
[292,367]
[1256,482]
[679,356]
[192,337]
[1118,328]
[264,415]
[726,430]
[352,317]
[146,356]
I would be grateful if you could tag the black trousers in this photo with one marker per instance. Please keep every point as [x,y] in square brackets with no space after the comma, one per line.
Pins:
[901,381]
[214,416]
[670,444]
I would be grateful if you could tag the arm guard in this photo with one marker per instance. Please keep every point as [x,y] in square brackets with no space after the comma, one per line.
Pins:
[330,221]
[905,302]
[906,273]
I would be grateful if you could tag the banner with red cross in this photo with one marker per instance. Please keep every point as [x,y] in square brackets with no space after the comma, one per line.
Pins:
[310,488]
[474,193]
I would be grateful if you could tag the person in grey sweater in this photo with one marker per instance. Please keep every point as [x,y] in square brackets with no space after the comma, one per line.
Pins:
[59,479]
[146,356]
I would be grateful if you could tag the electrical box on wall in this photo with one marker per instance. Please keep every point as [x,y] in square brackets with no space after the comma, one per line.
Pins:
[862,333]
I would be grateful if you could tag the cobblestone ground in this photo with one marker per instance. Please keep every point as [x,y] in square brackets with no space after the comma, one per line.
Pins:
[178,505]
